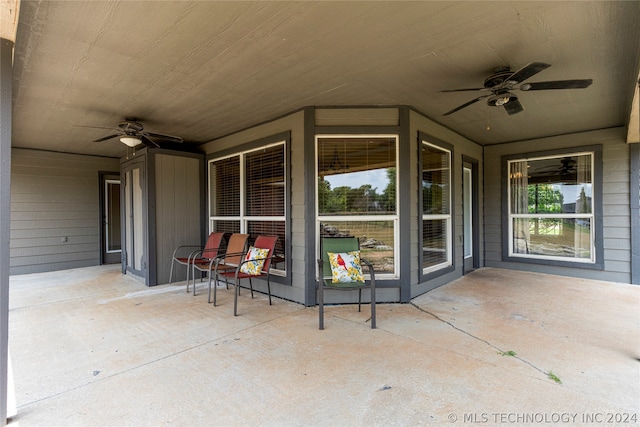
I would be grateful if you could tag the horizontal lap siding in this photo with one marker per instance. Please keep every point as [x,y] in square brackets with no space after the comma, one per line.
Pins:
[616,209]
[55,196]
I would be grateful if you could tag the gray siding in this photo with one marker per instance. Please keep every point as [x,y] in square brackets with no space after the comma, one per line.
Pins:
[55,196]
[178,210]
[616,210]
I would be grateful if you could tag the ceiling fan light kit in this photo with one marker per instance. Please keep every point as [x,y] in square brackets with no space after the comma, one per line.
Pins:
[503,81]
[500,100]
[130,141]
[132,133]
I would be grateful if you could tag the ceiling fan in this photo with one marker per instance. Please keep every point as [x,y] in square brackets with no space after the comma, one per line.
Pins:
[568,166]
[503,81]
[132,133]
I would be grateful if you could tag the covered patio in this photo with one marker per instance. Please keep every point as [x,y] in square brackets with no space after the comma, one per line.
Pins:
[91,346]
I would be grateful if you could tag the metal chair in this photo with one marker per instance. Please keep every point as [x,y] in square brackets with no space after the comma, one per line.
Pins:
[229,260]
[339,245]
[262,242]
[188,254]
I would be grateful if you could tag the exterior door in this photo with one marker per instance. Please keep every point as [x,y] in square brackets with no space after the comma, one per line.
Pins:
[133,209]
[470,214]
[110,241]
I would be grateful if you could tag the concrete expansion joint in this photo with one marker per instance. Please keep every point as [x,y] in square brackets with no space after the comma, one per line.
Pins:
[498,349]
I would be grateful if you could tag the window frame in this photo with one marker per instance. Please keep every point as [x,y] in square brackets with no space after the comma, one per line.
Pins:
[241,152]
[437,270]
[597,249]
[394,218]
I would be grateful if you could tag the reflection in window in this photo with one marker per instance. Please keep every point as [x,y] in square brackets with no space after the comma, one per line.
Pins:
[357,194]
[436,207]
[551,207]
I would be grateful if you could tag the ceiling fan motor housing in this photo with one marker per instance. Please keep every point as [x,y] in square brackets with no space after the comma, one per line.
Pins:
[130,127]
[499,76]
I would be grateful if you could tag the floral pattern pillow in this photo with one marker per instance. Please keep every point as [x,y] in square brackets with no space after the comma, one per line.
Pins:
[254,268]
[345,267]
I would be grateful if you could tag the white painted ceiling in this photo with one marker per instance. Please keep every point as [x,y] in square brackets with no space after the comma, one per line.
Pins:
[204,69]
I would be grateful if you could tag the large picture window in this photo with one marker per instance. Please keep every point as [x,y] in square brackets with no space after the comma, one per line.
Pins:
[247,195]
[356,195]
[436,207]
[551,207]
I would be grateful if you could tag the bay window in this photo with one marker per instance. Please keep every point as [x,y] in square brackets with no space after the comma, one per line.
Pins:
[356,195]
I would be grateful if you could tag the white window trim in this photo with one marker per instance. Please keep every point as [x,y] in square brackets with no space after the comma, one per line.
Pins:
[361,218]
[242,218]
[447,217]
[590,217]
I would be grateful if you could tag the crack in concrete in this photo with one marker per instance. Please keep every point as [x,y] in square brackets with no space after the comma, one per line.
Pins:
[515,356]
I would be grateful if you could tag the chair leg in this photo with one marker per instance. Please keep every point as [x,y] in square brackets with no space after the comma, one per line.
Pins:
[194,283]
[251,287]
[171,272]
[215,289]
[209,296]
[321,307]
[359,300]
[269,289]
[235,297]
[373,307]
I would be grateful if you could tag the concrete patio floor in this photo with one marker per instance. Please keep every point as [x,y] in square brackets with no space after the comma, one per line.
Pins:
[91,347]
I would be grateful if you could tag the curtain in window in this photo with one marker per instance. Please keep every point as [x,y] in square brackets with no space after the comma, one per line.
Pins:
[518,176]
[582,234]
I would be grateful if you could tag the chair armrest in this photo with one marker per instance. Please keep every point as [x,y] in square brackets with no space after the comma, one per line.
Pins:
[180,248]
[372,271]
[255,259]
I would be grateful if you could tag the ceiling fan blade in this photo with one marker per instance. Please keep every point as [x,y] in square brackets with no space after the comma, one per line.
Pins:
[170,138]
[513,107]
[558,84]
[107,137]
[527,71]
[472,89]
[466,104]
[148,142]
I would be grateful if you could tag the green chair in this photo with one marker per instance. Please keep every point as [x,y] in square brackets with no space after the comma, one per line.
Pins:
[343,245]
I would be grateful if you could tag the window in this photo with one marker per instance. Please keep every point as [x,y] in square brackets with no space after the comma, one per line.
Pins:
[356,195]
[436,207]
[551,207]
[247,195]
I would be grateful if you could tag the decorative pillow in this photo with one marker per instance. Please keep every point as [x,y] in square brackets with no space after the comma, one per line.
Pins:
[345,267]
[254,268]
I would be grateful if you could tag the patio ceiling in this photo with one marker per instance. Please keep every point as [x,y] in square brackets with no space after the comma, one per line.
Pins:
[202,70]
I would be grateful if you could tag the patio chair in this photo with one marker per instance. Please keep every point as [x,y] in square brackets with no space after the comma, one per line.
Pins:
[255,263]
[188,254]
[229,260]
[340,268]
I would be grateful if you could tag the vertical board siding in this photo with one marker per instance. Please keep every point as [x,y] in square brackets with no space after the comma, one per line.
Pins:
[178,210]
[55,196]
[616,210]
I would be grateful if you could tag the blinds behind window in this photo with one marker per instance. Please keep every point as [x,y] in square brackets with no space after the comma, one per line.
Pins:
[264,171]
[435,181]
[225,187]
